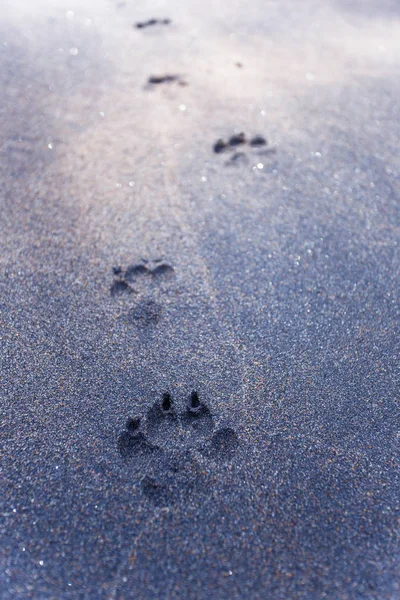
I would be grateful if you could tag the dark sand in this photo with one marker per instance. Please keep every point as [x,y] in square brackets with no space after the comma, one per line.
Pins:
[265,277]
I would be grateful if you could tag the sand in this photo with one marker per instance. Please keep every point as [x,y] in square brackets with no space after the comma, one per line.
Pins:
[199,338]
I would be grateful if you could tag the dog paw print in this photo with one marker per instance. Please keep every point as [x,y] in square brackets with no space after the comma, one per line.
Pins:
[237,143]
[151,23]
[156,80]
[139,277]
[144,282]
[165,443]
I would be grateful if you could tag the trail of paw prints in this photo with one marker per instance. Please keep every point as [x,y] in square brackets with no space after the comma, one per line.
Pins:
[237,143]
[144,282]
[165,442]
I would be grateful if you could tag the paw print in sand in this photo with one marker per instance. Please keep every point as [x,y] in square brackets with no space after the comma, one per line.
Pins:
[144,281]
[140,277]
[165,444]
[156,80]
[151,23]
[236,144]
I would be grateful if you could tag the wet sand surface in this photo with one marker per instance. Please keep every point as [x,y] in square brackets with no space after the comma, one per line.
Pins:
[199,329]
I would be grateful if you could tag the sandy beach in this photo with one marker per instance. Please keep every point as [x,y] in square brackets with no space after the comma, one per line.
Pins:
[199,300]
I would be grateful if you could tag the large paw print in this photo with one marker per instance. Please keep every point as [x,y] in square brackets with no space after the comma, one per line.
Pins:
[236,144]
[165,444]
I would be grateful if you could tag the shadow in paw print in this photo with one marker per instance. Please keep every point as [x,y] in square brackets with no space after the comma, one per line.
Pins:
[146,314]
[151,23]
[162,421]
[169,440]
[132,442]
[120,287]
[237,140]
[239,158]
[163,271]
[156,491]
[197,418]
[257,141]
[158,79]
[234,141]
[224,444]
[140,275]
[257,144]
[176,477]
[135,271]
